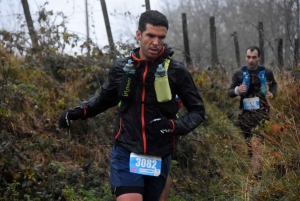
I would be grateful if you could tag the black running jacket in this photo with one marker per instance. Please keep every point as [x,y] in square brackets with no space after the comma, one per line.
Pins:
[133,130]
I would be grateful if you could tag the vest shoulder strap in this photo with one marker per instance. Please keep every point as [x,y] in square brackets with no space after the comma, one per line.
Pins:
[166,63]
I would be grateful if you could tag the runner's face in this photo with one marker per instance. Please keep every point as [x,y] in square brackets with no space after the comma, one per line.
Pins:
[151,40]
[252,59]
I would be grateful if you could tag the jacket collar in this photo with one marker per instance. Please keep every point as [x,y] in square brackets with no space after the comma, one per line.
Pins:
[165,51]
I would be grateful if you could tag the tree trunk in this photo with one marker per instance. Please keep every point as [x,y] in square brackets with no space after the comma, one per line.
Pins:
[186,41]
[32,33]
[108,29]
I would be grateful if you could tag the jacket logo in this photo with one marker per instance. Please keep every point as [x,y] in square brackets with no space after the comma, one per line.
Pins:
[163,131]
[127,89]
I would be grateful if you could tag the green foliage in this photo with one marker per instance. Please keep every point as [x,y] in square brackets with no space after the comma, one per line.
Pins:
[38,161]
[82,194]
[11,192]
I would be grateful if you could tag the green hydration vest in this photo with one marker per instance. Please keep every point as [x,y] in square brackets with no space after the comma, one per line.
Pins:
[169,107]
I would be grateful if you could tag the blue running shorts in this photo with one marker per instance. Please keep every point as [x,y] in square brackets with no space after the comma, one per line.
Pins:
[122,181]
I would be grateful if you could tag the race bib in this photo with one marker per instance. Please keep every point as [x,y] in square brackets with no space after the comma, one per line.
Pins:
[251,103]
[145,164]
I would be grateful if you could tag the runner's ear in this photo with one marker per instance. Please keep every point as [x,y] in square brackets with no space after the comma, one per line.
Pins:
[138,34]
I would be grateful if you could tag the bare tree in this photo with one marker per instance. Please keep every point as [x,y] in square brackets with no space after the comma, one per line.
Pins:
[87,29]
[32,33]
[108,29]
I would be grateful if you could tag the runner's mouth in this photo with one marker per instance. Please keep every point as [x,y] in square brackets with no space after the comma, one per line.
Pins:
[154,51]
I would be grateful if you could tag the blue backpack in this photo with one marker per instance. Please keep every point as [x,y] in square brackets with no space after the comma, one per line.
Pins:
[261,75]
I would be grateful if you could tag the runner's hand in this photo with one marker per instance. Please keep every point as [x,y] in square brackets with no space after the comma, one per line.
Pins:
[67,115]
[162,125]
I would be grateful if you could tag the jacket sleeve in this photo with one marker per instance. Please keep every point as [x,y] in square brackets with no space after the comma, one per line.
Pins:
[271,82]
[235,81]
[108,96]
[191,99]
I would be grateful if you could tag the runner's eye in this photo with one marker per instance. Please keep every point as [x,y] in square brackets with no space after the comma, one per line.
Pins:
[151,35]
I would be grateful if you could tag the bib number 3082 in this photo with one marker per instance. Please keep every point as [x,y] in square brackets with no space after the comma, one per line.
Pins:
[145,164]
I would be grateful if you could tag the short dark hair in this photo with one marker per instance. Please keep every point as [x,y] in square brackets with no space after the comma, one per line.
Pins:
[252,48]
[154,18]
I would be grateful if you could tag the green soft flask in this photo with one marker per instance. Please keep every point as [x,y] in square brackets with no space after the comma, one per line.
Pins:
[161,85]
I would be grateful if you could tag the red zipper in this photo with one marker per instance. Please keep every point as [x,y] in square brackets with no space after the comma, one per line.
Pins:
[143,108]
[144,94]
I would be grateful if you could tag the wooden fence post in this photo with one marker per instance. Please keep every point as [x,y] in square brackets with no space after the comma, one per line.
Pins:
[296,54]
[261,42]
[186,41]
[147,2]
[280,53]
[237,50]
[213,39]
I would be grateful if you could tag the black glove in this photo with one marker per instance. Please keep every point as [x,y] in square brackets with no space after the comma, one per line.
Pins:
[67,115]
[162,125]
